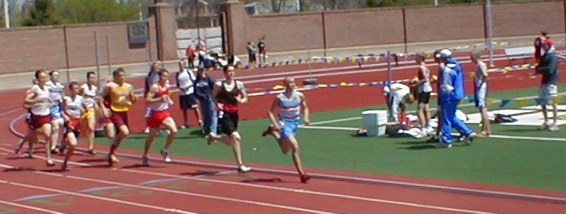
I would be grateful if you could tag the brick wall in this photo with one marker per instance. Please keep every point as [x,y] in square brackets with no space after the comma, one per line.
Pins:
[81,45]
[366,27]
[291,32]
[528,18]
[444,23]
[31,48]
[388,26]
[28,49]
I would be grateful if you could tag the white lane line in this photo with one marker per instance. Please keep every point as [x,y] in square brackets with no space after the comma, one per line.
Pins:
[192,194]
[369,180]
[7,166]
[329,128]
[528,138]
[335,121]
[29,207]
[462,190]
[29,186]
[302,191]
[55,160]
[413,111]
[10,112]
[400,203]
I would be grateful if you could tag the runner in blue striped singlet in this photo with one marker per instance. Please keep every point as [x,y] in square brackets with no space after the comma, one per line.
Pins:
[287,106]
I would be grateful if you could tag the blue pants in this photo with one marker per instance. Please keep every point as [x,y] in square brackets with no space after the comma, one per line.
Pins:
[208,109]
[450,120]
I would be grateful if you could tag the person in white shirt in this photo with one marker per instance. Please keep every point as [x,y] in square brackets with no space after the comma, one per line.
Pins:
[73,108]
[423,88]
[56,93]
[185,82]
[399,96]
[40,104]
[89,91]
[480,92]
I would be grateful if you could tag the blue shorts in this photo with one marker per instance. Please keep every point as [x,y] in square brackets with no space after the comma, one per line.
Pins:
[55,110]
[289,128]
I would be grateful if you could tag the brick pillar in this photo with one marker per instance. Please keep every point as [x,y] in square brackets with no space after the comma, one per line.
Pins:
[166,25]
[233,27]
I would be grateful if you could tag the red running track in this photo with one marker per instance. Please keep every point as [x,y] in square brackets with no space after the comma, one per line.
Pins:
[209,186]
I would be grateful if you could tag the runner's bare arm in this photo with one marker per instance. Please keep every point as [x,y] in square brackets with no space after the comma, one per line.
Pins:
[216,89]
[103,93]
[64,110]
[150,97]
[425,73]
[30,94]
[133,97]
[306,110]
[273,112]
[243,95]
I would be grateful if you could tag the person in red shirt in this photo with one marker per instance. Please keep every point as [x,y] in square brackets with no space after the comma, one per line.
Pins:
[229,94]
[190,53]
[538,45]
[159,101]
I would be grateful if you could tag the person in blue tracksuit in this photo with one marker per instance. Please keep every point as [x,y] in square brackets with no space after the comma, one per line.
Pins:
[451,92]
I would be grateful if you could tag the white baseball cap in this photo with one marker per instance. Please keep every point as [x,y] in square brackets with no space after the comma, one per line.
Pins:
[444,53]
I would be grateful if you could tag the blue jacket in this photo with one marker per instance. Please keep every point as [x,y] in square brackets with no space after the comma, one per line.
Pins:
[458,84]
[452,82]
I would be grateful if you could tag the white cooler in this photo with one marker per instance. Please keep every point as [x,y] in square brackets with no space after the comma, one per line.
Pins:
[375,121]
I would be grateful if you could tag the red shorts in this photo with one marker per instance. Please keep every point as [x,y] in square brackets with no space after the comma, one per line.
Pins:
[156,119]
[74,124]
[119,119]
[39,121]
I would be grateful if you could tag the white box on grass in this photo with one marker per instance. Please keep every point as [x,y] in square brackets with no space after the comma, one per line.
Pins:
[375,122]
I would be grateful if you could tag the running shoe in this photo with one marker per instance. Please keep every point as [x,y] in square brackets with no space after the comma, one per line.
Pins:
[91,152]
[112,159]
[444,145]
[65,168]
[145,161]
[305,178]
[165,155]
[470,138]
[19,147]
[29,154]
[50,163]
[268,131]
[244,169]
[553,128]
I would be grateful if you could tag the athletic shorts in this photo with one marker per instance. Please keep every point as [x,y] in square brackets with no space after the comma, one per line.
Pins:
[424,97]
[29,121]
[228,122]
[156,119]
[480,97]
[73,126]
[289,128]
[119,119]
[88,113]
[547,92]
[55,111]
[39,121]
[187,101]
